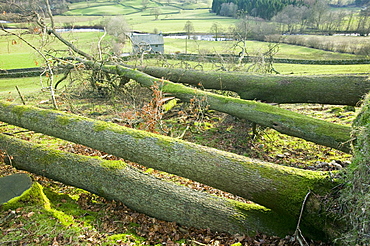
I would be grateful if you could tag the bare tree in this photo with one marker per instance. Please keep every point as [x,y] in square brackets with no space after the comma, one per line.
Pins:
[216,29]
[228,9]
[241,32]
[291,18]
[40,19]
[145,4]
[119,29]
[156,12]
[189,29]
[363,26]
[318,11]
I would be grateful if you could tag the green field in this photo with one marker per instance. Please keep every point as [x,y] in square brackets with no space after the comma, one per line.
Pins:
[27,86]
[19,55]
[253,47]
[15,53]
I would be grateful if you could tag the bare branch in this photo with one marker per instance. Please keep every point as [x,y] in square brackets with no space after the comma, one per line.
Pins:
[47,63]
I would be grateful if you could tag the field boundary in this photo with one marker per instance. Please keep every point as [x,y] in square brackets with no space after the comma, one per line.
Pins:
[229,58]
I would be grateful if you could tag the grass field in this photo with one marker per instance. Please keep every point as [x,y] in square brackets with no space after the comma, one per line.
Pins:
[16,54]
[19,55]
[106,7]
[253,47]
[26,85]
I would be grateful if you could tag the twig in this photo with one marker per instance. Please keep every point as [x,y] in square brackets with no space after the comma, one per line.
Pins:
[51,75]
[20,95]
[12,134]
[99,44]
[63,78]
[298,233]
[8,217]
[49,13]
[199,243]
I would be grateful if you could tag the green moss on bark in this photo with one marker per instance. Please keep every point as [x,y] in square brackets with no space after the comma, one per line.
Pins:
[355,197]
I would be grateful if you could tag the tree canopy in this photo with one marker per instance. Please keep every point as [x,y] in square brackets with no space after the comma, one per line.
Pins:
[265,9]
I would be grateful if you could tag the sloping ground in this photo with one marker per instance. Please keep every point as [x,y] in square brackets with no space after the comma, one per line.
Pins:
[108,8]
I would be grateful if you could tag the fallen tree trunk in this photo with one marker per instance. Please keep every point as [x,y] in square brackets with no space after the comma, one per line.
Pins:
[276,187]
[284,121]
[323,89]
[144,193]
[355,198]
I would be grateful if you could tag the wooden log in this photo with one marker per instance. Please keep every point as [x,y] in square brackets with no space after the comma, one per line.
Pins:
[355,198]
[144,193]
[276,187]
[284,121]
[323,89]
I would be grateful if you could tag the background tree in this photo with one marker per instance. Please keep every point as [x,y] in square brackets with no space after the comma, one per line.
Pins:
[216,29]
[28,7]
[240,32]
[333,21]
[257,8]
[363,26]
[119,29]
[318,12]
[361,2]
[156,12]
[291,18]
[189,29]
[144,3]
[228,9]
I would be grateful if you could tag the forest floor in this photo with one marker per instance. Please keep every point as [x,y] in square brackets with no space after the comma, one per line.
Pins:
[78,217]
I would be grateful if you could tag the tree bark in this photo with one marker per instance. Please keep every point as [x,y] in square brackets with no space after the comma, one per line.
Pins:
[355,197]
[323,89]
[144,193]
[284,121]
[276,187]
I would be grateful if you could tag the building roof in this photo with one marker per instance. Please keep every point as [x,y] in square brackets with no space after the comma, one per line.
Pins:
[147,38]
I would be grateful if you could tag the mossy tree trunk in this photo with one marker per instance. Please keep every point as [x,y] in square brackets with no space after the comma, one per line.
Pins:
[323,89]
[276,187]
[144,193]
[284,121]
[355,198]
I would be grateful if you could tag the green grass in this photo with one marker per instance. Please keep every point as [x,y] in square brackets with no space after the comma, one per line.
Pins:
[104,7]
[31,89]
[113,9]
[300,52]
[62,20]
[25,85]
[19,55]
[16,53]
[18,60]
[253,47]
[282,68]
[298,69]
[201,19]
